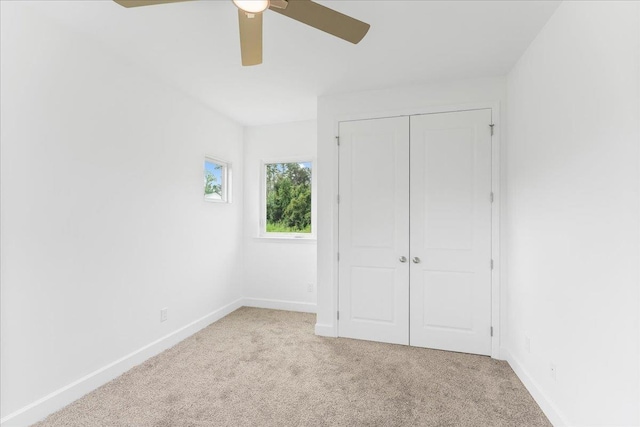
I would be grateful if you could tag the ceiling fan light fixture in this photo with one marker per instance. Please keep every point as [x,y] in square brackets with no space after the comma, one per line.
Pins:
[250,17]
[252,6]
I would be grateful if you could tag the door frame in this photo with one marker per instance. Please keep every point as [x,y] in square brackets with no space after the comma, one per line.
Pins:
[498,294]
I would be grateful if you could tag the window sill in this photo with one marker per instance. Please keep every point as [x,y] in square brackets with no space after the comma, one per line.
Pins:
[286,239]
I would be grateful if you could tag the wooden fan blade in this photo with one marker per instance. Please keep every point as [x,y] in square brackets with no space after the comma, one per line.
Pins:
[136,3]
[325,19]
[250,37]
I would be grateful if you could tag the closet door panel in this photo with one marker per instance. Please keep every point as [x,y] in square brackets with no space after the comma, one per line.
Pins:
[451,231]
[374,230]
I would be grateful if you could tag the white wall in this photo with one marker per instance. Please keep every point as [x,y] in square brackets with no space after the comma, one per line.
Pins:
[573,205]
[103,219]
[379,103]
[278,272]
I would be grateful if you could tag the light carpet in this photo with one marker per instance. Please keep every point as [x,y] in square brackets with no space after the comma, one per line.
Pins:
[261,367]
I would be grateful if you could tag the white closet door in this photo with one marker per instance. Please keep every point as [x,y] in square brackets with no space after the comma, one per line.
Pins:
[374,230]
[451,231]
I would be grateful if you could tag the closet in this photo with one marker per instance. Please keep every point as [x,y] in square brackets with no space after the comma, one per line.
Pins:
[415,230]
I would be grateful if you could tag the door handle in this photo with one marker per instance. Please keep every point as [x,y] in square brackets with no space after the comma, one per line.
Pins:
[416,260]
[403,259]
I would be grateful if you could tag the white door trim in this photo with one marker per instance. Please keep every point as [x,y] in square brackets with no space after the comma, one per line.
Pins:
[498,295]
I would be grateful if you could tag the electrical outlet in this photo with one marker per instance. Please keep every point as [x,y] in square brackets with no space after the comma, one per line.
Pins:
[527,344]
[163,314]
[310,287]
[552,371]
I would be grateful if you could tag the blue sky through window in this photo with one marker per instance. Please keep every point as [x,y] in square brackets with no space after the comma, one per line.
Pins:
[280,166]
[214,169]
[213,180]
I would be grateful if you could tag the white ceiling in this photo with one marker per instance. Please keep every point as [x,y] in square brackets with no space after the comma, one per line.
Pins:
[194,46]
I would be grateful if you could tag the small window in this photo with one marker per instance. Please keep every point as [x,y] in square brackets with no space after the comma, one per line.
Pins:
[288,199]
[216,180]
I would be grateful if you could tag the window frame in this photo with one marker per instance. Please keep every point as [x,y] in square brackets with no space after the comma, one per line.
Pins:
[225,197]
[262,223]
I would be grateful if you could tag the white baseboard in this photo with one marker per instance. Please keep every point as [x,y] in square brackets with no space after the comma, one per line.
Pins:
[60,398]
[326,330]
[274,304]
[547,406]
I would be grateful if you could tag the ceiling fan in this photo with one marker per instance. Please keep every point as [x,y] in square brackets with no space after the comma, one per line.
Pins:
[305,11]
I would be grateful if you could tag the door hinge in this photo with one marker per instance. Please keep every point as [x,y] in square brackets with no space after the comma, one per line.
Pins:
[338,314]
[491,197]
[491,126]
[338,199]
[338,140]
[492,331]
[492,264]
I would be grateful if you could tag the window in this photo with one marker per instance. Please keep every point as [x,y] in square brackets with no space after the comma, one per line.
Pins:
[216,180]
[287,199]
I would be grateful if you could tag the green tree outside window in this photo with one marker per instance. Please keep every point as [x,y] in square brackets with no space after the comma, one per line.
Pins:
[288,197]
